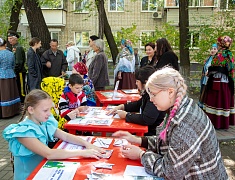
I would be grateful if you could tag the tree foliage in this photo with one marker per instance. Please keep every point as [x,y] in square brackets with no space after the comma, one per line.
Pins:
[221,23]
[5,13]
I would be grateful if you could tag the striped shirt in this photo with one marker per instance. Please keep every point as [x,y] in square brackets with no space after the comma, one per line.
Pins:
[191,150]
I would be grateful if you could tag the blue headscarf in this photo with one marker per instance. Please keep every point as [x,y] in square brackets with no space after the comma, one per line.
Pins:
[127,44]
[214,45]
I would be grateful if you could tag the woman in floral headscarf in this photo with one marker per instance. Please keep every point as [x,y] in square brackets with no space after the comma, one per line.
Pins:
[124,71]
[88,88]
[219,96]
[204,76]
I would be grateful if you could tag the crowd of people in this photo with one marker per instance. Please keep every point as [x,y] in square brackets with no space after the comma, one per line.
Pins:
[181,140]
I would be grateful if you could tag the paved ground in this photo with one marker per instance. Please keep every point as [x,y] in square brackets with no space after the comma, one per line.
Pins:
[227,149]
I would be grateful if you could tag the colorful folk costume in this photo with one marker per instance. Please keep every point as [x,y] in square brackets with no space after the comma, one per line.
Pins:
[124,71]
[219,95]
[204,78]
[9,96]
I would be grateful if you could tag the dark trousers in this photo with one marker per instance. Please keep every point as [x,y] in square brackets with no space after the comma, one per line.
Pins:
[20,80]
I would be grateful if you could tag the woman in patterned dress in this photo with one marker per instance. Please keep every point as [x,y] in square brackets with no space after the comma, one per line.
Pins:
[219,96]
[9,96]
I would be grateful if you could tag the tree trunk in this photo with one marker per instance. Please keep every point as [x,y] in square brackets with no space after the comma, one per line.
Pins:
[101,11]
[107,30]
[37,24]
[184,40]
[14,19]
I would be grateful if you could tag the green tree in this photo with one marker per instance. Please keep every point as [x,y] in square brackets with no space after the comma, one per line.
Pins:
[209,31]
[5,13]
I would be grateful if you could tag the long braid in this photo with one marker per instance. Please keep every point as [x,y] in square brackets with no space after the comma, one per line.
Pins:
[23,114]
[181,91]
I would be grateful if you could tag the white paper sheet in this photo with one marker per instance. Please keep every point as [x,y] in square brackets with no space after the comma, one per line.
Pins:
[130,91]
[57,170]
[135,171]
[120,142]
[70,146]
[93,112]
[92,121]
[111,94]
[103,142]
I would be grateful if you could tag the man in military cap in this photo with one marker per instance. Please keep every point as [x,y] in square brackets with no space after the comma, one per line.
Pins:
[20,59]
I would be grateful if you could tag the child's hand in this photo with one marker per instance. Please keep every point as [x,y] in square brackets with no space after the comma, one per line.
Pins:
[91,153]
[82,108]
[73,114]
[91,146]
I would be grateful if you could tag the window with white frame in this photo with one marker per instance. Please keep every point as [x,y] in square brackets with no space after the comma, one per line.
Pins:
[145,37]
[81,6]
[82,38]
[54,35]
[149,5]
[116,5]
[192,3]
[194,40]
[201,3]
[227,4]
[170,3]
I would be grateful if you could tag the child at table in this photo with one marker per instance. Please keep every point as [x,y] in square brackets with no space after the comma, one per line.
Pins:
[28,139]
[88,87]
[73,97]
[185,145]
[149,114]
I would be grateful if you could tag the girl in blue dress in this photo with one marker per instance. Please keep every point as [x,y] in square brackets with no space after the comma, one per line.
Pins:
[29,138]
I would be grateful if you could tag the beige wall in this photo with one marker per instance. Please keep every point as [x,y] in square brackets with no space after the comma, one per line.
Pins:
[132,14]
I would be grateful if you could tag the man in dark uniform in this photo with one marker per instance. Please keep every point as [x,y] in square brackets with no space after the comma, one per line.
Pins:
[20,59]
[53,61]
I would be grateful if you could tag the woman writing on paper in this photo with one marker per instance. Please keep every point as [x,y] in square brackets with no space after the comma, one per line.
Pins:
[148,113]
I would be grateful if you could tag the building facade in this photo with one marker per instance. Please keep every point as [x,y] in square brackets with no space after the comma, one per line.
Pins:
[77,21]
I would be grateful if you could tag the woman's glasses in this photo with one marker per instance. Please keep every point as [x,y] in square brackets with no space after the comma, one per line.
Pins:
[154,94]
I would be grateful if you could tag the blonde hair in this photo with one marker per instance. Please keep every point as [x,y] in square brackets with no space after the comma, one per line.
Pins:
[168,78]
[32,99]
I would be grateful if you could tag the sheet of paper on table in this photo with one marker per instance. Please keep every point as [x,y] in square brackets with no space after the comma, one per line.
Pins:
[134,171]
[54,170]
[98,176]
[93,112]
[70,146]
[130,91]
[110,94]
[103,142]
[91,121]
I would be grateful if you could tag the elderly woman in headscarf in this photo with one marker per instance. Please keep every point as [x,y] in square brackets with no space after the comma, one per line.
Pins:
[204,77]
[124,71]
[88,88]
[219,95]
